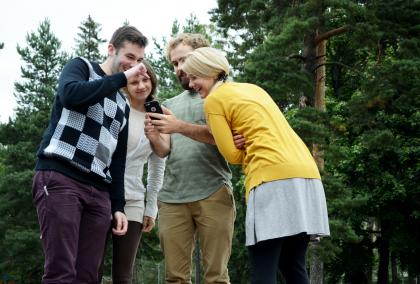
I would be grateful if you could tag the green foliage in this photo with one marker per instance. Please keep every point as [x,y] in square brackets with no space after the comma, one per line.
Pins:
[310,124]
[369,133]
[43,62]
[375,121]
[238,263]
[19,237]
[88,40]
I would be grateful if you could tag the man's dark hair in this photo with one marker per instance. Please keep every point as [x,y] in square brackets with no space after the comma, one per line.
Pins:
[130,34]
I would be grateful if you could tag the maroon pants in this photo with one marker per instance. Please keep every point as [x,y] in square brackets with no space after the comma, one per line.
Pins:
[74,219]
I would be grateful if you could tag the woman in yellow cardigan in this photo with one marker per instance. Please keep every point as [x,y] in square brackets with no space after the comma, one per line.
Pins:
[284,193]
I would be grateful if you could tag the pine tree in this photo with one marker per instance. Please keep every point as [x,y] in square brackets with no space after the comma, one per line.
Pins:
[19,232]
[274,46]
[88,41]
[382,162]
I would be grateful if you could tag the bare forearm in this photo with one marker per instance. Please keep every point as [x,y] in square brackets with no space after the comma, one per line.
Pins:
[168,124]
[196,132]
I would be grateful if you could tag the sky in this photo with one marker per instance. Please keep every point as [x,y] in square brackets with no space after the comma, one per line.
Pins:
[154,18]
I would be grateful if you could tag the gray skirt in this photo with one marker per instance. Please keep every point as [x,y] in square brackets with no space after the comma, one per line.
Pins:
[284,208]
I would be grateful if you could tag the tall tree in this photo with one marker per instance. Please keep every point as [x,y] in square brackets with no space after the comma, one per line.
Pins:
[19,234]
[276,45]
[89,40]
[281,46]
[384,125]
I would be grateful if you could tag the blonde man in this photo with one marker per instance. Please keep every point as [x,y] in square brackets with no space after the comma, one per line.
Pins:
[196,198]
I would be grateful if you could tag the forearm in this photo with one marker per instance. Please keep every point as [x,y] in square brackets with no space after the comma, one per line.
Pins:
[196,132]
[75,90]
[162,145]
[155,173]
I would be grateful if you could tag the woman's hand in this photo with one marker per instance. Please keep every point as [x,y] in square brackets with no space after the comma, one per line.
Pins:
[148,224]
[120,224]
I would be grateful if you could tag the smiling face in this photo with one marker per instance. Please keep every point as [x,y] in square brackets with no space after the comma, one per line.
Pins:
[178,55]
[201,85]
[127,56]
[139,88]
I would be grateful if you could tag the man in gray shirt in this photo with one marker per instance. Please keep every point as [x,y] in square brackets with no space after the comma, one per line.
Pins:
[196,198]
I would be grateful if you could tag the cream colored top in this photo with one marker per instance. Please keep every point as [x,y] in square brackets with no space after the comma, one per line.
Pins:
[141,200]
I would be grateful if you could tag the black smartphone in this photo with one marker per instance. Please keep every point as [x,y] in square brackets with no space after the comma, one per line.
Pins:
[153,106]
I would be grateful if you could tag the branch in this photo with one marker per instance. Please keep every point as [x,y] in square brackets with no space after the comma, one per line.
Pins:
[332,63]
[330,33]
[297,56]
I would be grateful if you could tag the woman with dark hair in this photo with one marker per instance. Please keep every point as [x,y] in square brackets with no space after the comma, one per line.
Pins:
[285,196]
[141,201]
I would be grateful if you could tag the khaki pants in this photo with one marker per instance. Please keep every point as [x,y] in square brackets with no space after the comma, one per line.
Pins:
[212,219]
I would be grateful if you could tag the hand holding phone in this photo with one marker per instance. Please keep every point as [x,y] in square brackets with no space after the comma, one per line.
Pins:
[154,107]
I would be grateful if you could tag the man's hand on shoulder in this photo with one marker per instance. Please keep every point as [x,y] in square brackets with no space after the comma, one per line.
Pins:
[239,141]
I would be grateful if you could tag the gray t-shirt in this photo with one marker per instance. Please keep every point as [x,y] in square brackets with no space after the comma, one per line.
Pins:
[194,170]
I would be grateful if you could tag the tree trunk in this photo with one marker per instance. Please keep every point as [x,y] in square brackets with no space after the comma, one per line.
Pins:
[310,55]
[394,268]
[383,249]
[316,264]
[319,101]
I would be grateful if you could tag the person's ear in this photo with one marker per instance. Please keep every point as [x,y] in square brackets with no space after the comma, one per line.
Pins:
[111,49]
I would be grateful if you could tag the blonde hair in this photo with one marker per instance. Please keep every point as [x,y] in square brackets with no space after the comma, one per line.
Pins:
[193,40]
[206,62]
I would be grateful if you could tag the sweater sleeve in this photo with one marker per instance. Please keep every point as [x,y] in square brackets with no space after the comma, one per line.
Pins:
[155,170]
[75,91]
[117,170]
[224,139]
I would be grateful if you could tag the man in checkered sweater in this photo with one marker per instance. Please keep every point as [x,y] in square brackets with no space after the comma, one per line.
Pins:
[78,185]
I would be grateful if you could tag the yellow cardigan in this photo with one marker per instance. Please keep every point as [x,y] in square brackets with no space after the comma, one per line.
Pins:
[272,151]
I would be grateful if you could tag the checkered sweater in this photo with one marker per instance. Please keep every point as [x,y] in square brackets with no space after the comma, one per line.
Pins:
[87,135]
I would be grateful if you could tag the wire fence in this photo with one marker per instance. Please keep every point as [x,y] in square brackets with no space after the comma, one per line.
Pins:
[150,273]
